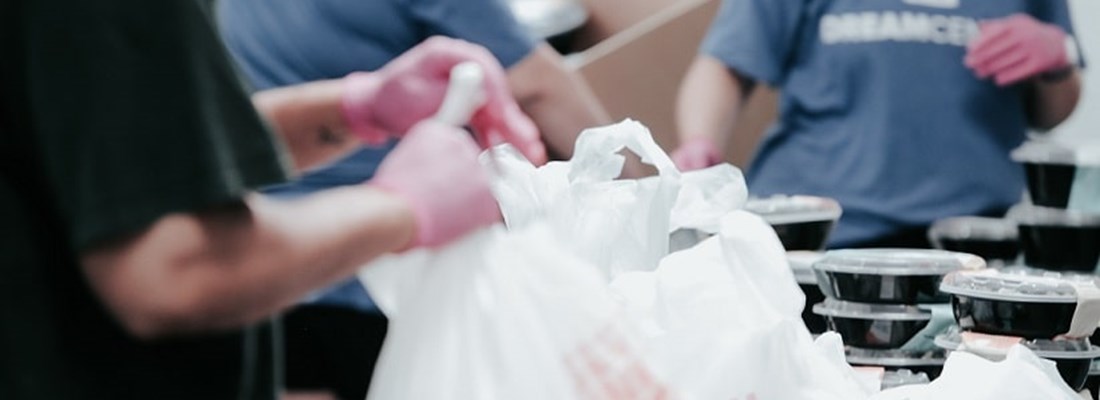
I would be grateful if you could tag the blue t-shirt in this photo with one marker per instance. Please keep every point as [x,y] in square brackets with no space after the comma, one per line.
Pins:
[285,42]
[877,109]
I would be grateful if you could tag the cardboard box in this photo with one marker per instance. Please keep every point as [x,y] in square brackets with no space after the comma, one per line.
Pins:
[636,73]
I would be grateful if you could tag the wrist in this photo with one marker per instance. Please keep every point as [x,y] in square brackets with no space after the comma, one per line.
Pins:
[360,91]
[705,139]
[1059,73]
[410,219]
[705,142]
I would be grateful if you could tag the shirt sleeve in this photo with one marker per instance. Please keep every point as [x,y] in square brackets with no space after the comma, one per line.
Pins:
[138,113]
[489,23]
[755,37]
[1058,12]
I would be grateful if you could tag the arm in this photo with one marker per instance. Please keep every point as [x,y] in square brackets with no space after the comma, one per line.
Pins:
[309,120]
[1020,49]
[1051,102]
[324,119]
[231,266]
[710,99]
[557,99]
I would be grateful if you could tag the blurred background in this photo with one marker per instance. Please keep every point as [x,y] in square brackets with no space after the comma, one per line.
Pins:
[634,53]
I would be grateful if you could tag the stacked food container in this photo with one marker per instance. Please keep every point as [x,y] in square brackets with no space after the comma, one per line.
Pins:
[994,239]
[1051,313]
[887,306]
[1057,239]
[801,263]
[1052,305]
[803,224]
[1060,229]
[1060,226]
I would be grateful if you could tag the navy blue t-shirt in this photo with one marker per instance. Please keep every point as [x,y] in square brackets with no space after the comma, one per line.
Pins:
[285,42]
[877,109]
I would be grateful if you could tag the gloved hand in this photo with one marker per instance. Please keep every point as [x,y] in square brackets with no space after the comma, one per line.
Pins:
[411,88]
[697,153]
[436,170]
[1017,47]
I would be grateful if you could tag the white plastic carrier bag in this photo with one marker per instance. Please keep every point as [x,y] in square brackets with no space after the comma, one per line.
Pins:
[1022,375]
[618,225]
[706,196]
[504,315]
[722,321]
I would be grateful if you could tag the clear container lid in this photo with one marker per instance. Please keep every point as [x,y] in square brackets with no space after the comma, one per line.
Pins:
[1032,215]
[897,262]
[1018,284]
[974,228]
[802,265]
[895,358]
[1062,349]
[781,209]
[903,377]
[880,312]
[1046,151]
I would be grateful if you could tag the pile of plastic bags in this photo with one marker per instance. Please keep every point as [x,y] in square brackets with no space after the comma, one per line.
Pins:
[579,299]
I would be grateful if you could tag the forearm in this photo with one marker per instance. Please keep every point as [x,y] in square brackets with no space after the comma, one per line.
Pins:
[309,119]
[227,268]
[709,100]
[1051,103]
[557,99]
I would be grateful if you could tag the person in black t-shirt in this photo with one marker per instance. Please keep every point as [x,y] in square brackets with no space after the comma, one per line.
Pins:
[135,260]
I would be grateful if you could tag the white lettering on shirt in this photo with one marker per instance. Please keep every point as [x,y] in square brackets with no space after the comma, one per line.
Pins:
[934,3]
[873,26]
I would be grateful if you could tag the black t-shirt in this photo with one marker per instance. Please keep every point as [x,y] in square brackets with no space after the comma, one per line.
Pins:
[114,114]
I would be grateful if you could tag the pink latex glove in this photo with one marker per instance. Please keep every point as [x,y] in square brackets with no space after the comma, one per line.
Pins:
[436,170]
[697,153]
[410,89]
[1016,48]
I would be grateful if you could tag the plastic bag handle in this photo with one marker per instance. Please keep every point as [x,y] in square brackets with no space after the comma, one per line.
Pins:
[595,158]
[464,95]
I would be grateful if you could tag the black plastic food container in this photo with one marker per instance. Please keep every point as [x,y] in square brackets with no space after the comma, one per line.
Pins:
[1058,240]
[1073,358]
[802,222]
[1015,301]
[1051,170]
[988,238]
[889,276]
[801,263]
[1075,371]
[928,362]
[1093,381]
[1028,320]
[1049,184]
[815,323]
[873,326]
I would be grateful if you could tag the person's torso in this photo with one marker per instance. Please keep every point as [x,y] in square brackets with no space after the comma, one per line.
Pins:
[879,111]
[57,340]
